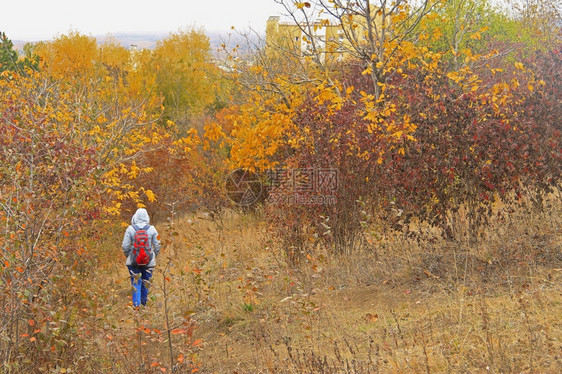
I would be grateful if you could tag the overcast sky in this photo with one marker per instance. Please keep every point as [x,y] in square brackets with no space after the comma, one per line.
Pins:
[44,19]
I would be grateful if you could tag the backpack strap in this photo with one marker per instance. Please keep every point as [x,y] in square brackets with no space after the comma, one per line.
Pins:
[136,227]
[145,228]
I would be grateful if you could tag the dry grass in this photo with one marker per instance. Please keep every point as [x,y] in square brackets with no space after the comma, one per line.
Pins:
[397,307]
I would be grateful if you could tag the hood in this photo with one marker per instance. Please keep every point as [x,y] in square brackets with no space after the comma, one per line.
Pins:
[140,218]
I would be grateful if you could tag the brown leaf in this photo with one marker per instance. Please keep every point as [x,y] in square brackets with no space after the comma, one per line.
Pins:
[372,317]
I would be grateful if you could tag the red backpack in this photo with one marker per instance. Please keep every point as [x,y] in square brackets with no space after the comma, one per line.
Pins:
[142,251]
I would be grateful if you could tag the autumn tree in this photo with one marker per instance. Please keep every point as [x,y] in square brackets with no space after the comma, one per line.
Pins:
[468,30]
[116,104]
[540,21]
[70,57]
[461,27]
[185,75]
[270,66]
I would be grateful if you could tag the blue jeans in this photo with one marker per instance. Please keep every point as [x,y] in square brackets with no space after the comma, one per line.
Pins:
[140,280]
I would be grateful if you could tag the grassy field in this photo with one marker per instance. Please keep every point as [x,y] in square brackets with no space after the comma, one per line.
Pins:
[232,304]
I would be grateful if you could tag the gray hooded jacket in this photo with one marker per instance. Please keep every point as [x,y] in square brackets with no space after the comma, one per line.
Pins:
[141,219]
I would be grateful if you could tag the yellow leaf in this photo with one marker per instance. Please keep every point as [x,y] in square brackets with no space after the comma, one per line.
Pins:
[476,36]
[150,195]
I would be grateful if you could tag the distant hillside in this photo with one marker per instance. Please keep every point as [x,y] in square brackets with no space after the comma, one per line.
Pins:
[148,41]
[18,45]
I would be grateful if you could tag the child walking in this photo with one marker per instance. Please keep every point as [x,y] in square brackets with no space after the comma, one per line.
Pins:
[141,246]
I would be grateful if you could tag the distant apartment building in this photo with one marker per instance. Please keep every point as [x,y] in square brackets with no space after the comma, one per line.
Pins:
[331,39]
[291,36]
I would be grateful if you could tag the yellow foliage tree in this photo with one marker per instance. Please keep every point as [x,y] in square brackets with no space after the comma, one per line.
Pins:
[185,75]
[115,105]
[70,57]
